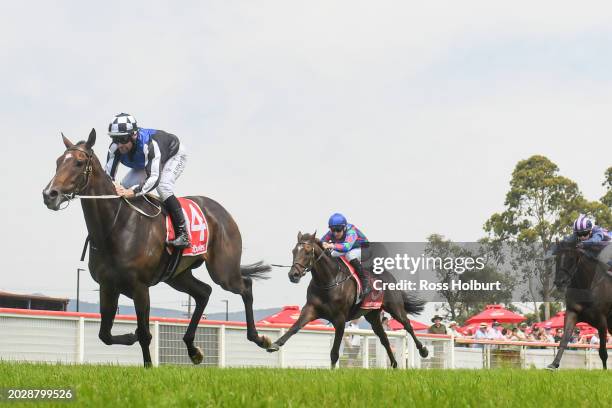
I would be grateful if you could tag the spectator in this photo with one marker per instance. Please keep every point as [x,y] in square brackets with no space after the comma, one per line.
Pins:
[575,336]
[437,327]
[385,323]
[549,338]
[558,335]
[522,332]
[452,329]
[494,332]
[481,334]
[513,334]
[594,340]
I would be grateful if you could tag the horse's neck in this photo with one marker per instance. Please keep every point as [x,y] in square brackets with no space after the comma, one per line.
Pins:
[99,213]
[325,270]
[585,273]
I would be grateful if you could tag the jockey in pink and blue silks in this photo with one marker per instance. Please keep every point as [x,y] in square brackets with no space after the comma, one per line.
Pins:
[344,239]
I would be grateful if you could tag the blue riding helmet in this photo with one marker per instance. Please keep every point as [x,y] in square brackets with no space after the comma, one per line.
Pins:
[337,220]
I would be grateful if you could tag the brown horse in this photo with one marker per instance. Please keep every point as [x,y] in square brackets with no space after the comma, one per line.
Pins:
[331,295]
[128,251]
[588,293]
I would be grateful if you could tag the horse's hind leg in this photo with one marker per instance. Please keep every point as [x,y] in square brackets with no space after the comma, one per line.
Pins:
[247,298]
[109,298]
[396,309]
[374,319]
[224,269]
[185,282]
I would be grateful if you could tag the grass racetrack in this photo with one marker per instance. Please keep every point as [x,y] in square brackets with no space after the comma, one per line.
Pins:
[112,386]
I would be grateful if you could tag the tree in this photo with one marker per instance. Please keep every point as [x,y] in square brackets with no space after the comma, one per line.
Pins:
[539,208]
[460,304]
[607,198]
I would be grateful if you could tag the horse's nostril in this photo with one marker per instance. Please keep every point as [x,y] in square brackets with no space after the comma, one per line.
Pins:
[53,194]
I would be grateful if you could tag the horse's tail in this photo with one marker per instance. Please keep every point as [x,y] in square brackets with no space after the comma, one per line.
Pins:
[412,304]
[257,270]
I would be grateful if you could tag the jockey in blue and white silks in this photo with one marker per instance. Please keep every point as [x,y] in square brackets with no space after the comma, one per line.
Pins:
[156,159]
[344,239]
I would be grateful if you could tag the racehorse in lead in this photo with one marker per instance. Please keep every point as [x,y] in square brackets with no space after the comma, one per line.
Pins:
[588,291]
[128,250]
[332,295]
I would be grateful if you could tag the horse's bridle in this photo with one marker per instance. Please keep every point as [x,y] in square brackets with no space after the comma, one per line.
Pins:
[313,261]
[85,174]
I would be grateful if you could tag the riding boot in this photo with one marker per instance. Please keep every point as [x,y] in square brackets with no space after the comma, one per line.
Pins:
[181,237]
[364,277]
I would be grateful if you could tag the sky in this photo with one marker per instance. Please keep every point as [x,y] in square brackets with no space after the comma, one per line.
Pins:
[408,117]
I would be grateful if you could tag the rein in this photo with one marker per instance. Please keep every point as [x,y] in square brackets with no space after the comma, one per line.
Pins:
[87,173]
[309,268]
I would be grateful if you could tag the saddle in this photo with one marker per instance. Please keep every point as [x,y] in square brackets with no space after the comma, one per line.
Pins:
[197,226]
[374,299]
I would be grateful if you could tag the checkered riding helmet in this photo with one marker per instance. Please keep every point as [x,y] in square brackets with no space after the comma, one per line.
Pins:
[583,224]
[122,124]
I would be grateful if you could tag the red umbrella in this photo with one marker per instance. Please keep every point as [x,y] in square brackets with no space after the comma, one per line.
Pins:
[557,321]
[554,322]
[416,326]
[495,313]
[288,315]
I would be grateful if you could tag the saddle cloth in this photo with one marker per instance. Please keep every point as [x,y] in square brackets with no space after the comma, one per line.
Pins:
[197,227]
[374,299]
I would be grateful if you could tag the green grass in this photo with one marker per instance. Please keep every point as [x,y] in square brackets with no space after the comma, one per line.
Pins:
[112,386]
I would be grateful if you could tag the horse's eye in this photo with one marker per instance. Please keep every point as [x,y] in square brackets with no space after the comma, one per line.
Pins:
[80,163]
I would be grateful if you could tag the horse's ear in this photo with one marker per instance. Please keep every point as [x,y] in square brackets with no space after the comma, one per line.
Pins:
[314,235]
[67,142]
[91,140]
[299,236]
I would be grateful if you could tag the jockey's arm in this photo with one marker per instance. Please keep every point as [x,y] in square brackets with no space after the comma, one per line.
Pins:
[349,241]
[112,161]
[153,168]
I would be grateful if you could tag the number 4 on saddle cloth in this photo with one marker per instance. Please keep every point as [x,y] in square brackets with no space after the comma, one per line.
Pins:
[197,228]
[374,299]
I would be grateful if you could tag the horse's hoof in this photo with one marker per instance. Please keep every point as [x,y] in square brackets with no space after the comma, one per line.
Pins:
[423,352]
[272,348]
[552,367]
[266,342]
[197,357]
[148,364]
[394,364]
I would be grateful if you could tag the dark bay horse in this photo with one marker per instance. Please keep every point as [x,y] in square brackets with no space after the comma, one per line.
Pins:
[588,293]
[331,295]
[128,250]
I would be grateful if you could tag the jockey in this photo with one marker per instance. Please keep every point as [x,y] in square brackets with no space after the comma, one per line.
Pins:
[346,239]
[156,159]
[587,232]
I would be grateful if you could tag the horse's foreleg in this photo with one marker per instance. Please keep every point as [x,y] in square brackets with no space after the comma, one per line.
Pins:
[109,298]
[374,319]
[602,331]
[335,350]
[307,315]
[142,305]
[570,321]
[185,282]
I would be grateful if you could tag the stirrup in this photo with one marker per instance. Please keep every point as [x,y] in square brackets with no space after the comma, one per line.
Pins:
[180,242]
